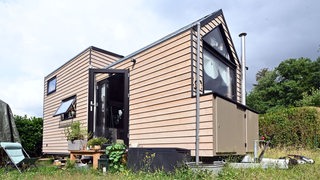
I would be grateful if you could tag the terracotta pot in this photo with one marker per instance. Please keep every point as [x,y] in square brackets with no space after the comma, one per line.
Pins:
[97,147]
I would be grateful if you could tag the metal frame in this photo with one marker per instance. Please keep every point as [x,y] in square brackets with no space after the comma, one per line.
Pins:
[55,87]
[91,97]
[222,59]
[26,156]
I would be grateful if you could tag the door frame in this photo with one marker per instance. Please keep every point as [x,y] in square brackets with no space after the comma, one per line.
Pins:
[91,97]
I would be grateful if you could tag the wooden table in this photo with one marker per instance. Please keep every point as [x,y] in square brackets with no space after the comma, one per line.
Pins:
[94,153]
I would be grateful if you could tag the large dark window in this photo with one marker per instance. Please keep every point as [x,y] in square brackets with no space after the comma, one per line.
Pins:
[219,69]
[51,85]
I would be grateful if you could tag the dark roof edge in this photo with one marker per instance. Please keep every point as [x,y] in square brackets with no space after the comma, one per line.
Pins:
[82,52]
[185,28]
[105,51]
[231,39]
[231,101]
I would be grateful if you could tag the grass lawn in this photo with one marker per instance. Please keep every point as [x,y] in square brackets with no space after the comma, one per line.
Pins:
[302,171]
[305,171]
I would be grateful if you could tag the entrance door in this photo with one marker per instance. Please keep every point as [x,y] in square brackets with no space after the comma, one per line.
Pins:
[109,104]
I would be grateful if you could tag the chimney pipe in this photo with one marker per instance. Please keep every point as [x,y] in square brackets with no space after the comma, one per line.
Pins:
[243,69]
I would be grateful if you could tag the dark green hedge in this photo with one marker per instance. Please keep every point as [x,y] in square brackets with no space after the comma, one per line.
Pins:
[298,127]
[30,131]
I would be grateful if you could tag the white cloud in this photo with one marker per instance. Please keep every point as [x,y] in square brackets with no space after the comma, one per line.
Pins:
[36,37]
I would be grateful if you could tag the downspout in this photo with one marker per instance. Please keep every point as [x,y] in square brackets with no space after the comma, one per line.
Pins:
[243,67]
[198,94]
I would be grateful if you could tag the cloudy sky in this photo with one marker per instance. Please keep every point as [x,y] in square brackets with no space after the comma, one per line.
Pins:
[37,36]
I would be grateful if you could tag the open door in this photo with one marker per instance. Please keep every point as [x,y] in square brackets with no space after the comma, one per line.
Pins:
[108,111]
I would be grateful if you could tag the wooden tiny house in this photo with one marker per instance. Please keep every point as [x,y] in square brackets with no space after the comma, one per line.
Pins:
[69,82]
[148,98]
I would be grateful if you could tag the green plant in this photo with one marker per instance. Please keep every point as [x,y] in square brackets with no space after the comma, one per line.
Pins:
[75,132]
[117,157]
[301,171]
[97,141]
[70,164]
[297,127]
[147,161]
[30,131]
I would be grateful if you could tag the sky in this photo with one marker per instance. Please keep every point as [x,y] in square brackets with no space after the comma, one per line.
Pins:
[38,36]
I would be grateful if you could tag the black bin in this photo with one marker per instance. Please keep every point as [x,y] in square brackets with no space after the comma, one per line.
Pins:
[103,162]
[151,159]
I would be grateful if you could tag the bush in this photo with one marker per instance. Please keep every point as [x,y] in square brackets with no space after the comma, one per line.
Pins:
[97,141]
[298,127]
[30,131]
[117,159]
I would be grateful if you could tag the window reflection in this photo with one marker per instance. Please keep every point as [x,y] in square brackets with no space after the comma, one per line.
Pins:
[219,72]
[215,40]
[218,77]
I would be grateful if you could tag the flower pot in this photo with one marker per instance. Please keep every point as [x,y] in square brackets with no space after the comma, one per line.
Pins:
[96,147]
[77,145]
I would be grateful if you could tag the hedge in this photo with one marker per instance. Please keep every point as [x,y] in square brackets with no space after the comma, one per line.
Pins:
[30,131]
[298,127]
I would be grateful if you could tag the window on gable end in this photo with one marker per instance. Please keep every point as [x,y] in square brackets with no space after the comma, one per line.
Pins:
[219,67]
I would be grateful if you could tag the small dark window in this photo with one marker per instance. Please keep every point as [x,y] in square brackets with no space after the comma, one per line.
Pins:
[67,108]
[51,85]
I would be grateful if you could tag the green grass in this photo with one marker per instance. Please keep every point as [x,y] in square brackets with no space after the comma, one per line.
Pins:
[302,171]
[305,171]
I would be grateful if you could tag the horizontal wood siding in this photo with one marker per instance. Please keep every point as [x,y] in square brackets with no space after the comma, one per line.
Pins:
[72,79]
[162,106]
[162,111]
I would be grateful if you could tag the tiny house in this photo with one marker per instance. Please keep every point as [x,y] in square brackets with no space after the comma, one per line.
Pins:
[149,98]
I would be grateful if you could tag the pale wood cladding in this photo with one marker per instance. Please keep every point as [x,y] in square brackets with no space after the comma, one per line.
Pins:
[160,93]
[72,79]
[161,106]
[162,111]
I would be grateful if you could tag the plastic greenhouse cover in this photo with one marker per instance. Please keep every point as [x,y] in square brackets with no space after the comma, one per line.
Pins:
[8,129]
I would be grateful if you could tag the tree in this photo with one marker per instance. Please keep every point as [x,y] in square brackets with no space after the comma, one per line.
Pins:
[262,73]
[310,100]
[286,85]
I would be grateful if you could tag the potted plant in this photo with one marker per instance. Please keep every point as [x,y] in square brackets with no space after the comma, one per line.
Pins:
[76,136]
[97,142]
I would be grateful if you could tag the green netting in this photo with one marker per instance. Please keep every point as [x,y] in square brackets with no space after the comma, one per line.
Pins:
[8,129]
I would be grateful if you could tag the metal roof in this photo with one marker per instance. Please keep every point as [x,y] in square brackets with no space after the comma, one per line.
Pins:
[202,21]
[87,49]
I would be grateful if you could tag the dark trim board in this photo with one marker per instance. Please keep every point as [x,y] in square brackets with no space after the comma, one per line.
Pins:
[211,17]
[230,100]
[202,21]
[191,58]
[82,52]
[92,73]
[105,51]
